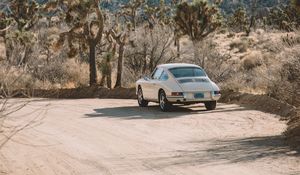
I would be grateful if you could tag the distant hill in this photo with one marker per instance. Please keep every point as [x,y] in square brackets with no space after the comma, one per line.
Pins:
[227,6]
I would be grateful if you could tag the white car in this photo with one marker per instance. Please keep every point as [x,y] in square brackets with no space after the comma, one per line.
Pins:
[177,84]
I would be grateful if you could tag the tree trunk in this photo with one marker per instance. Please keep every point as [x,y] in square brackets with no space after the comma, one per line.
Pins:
[253,16]
[120,66]
[144,68]
[178,47]
[197,55]
[7,49]
[27,53]
[196,45]
[92,60]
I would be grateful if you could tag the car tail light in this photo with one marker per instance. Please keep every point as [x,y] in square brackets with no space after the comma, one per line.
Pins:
[177,94]
[217,92]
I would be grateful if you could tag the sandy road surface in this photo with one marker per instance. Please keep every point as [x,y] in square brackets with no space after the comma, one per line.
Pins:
[95,136]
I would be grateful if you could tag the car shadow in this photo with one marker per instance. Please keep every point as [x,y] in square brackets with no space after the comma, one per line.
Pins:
[216,152]
[153,111]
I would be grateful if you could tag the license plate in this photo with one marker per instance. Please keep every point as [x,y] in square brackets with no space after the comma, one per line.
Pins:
[199,95]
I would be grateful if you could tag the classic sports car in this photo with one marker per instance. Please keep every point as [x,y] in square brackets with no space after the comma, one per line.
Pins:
[177,84]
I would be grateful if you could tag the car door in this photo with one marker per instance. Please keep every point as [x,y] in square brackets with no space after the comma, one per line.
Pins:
[149,90]
[158,83]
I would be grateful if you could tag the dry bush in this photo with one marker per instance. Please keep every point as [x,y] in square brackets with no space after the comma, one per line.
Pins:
[287,86]
[271,46]
[242,46]
[252,74]
[63,73]
[149,48]
[291,40]
[77,72]
[218,66]
[231,35]
[252,61]
[15,78]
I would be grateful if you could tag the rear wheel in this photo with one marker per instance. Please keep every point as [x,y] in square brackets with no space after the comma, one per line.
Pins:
[164,105]
[211,105]
[142,102]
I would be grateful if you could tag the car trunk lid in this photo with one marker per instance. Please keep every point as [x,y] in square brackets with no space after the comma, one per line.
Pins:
[194,84]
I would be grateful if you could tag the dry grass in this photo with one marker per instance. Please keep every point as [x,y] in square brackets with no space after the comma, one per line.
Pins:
[14,78]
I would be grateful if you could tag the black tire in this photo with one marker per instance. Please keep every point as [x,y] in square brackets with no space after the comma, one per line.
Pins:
[211,105]
[141,101]
[164,105]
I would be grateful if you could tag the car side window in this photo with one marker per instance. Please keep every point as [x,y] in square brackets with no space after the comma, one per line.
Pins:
[164,76]
[156,75]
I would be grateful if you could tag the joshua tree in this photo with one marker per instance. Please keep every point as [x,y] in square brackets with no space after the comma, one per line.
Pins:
[105,65]
[239,20]
[18,16]
[121,37]
[253,17]
[130,10]
[197,20]
[86,22]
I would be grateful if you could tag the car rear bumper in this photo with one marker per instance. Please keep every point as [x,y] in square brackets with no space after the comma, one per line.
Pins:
[189,98]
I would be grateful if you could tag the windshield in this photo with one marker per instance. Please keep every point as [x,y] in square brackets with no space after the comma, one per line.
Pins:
[182,72]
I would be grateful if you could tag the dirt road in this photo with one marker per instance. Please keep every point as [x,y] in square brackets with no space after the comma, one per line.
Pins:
[95,136]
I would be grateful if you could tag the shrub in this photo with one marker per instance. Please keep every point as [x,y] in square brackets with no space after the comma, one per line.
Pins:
[151,47]
[252,61]
[14,78]
[63,73]
[217,65]
[242,46]
[287,86]
[291,40]
[77,72]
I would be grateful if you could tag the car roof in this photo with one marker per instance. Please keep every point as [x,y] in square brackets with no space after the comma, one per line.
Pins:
[175,65]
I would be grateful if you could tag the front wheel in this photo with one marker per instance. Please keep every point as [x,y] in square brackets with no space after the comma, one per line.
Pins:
[142,102]
[164,105]
[211,105]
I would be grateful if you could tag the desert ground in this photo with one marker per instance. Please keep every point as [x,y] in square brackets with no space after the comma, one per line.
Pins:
[106,136]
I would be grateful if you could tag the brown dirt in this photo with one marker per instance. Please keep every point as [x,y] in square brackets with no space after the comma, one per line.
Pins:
[270,105]
[259,102]
[109,136]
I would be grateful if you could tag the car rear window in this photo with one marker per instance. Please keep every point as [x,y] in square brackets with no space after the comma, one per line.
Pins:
[181,72]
